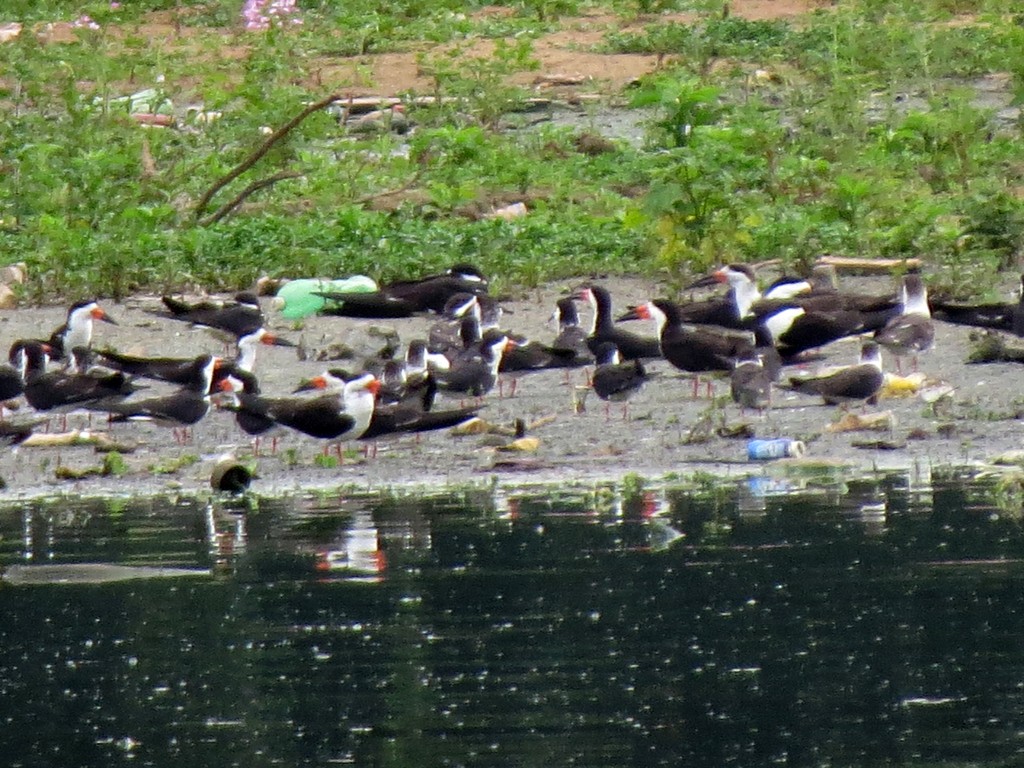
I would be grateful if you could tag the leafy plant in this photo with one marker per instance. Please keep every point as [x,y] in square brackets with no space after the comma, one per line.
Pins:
[480,83]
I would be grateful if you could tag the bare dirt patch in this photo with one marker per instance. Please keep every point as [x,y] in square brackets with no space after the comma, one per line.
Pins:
[569,51]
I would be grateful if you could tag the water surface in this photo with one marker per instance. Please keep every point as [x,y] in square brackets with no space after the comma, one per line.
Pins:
[853,622]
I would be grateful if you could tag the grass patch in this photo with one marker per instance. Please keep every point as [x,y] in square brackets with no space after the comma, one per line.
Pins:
[866,129]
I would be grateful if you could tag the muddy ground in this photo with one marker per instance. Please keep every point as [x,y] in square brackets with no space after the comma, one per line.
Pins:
[668,431]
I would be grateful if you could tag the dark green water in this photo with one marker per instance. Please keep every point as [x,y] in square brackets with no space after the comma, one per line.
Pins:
[862,623]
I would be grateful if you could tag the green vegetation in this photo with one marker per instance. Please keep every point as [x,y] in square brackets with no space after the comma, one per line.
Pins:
[863,129]
[174,465]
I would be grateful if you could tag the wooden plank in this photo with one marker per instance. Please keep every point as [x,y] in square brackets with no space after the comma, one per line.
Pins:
[870,265]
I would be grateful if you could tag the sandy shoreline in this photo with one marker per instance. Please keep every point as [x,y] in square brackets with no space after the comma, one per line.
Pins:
[977,422]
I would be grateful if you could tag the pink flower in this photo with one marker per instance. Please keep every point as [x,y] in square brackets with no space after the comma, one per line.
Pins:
[84,22]
[114,5]
[257,14]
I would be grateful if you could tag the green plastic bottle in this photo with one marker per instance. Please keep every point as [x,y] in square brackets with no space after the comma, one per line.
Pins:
[296,300]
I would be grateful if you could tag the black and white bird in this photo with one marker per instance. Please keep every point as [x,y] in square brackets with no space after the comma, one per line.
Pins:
[63,392]
[1002,316]
[571,335]
[851,384]
[343,413]
[630,345]
[912,331]
[750,383]
[408,297]
[227,320]
[357,399]
[77,329]
[615,381]
[476,372]
[178,410]
[692,348]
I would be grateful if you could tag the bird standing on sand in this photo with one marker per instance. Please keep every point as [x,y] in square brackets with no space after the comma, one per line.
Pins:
[614,380]
[476,372]
[178,410]
[342,414]
[405,298]
[691,348]
[571,335]
[63,392]
[630,345]
[912,331]
[1001,316]
[750,382]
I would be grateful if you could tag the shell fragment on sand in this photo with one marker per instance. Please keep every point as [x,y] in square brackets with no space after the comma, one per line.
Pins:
[858,422]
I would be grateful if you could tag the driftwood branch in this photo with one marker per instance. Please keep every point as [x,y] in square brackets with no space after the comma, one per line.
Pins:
[238,199]
[252,159]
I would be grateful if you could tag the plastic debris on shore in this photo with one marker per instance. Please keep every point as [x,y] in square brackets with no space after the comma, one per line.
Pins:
[296,299]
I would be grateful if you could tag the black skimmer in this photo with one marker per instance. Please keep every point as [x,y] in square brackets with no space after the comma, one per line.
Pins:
[12,375]
[525,356]
[343,414]
[476,371]
[446,333]
[630,345]
[794,329]
[851,384]
[248,344]
[414,415]
[77,328]
[764,347]
[530,355]
[792,326]
[53,390]
[692,348]
[735,310]
[252,411]
[357,399]
[787,288]
[822,280]
[410,413]
[750,382]
[180,409]
[181,370]
[434,290]
[1002,316]
[615,380]
[394,382]
[228,320]
[410,378]
[746,305]
[174,370]
[912,331]
[419,360]
[468,344]
[571,335]
[408,297]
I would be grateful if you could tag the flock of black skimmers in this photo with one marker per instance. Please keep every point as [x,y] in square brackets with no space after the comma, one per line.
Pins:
[745,333]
